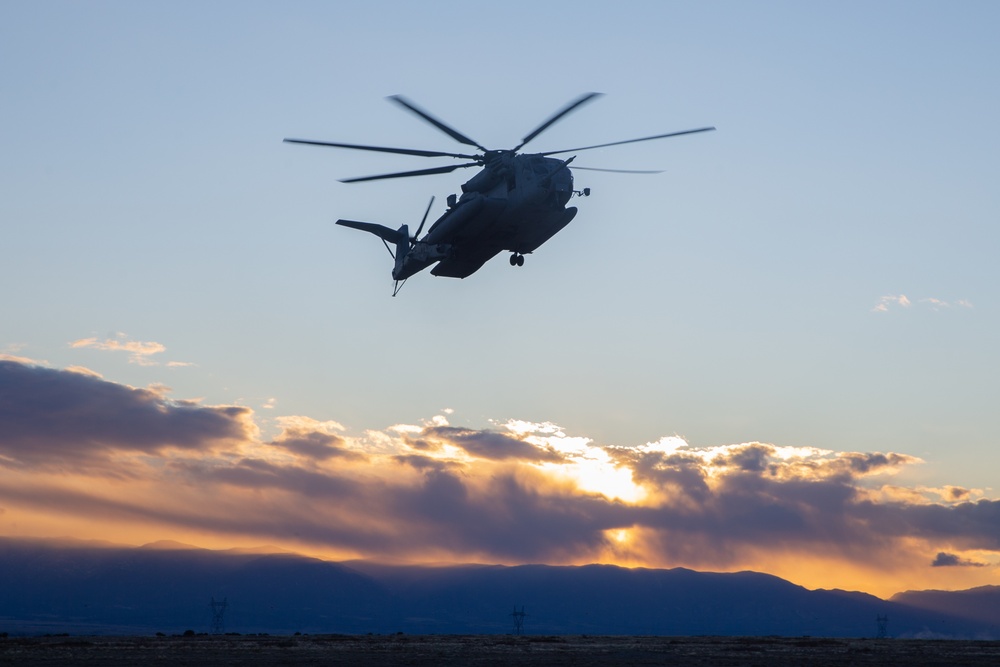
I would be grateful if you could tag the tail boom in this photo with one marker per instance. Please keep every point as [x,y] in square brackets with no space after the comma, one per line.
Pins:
[411,256]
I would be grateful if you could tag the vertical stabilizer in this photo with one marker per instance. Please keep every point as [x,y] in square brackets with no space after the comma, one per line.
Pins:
[402,249]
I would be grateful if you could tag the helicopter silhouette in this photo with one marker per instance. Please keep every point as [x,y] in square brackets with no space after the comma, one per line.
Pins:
[515,204]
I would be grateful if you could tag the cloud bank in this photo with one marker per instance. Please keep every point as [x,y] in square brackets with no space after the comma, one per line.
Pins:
[85,454]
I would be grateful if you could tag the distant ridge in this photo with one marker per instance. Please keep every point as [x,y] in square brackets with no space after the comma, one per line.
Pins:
[172,545]
[980,604]
[55,586]
[169,545]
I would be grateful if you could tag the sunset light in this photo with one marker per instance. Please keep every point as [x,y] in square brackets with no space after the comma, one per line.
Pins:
[598,296]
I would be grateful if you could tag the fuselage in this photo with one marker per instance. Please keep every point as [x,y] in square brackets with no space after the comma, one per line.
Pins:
[516,203]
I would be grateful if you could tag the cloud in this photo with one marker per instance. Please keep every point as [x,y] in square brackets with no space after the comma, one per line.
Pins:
[84,371]
[60,418]
[310,439]
[139,352]
[12,357]
[9,353]
[938,304]
[78,450]
[902,301]
[955,493]
[891,300]
[951,560]
[968,525]
[486,444]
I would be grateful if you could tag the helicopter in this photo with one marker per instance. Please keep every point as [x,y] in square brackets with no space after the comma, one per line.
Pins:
[515,203]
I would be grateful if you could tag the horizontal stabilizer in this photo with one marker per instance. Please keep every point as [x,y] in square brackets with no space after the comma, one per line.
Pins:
[381,231]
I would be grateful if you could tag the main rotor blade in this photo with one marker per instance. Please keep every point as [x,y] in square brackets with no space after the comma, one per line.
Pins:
[383,149]
[450,131]
[631,141]
[620,171]
[404,174]
[559,114]
[423,220]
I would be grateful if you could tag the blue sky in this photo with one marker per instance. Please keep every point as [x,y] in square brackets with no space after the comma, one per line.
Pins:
[819,272]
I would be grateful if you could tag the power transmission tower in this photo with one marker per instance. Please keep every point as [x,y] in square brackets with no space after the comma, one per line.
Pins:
[883,623]
[218,611]
[518,620]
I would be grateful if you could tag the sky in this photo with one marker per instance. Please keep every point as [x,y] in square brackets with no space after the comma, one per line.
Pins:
[778,354]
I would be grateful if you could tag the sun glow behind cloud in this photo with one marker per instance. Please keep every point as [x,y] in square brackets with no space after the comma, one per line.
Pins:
[590,467]
[80,455]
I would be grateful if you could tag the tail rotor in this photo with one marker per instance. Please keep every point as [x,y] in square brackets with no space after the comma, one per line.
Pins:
[400,238]
[416,236]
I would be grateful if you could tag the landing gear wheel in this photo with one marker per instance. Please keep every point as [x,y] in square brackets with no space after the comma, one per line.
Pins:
[520,260]
[513,260]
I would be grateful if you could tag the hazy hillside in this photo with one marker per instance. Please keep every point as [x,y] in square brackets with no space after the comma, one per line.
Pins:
[89,588]
[980,604]
[169,589]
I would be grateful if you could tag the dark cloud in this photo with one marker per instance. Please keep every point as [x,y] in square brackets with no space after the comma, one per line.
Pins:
[741,511]
[485,444]
[951,560]
[259,475]
[957,493]
[751,458]
[746,498]
[442,509]
[49,417]
[672,475]
[864,463]
[421,462]
[508,517]
[423,445]
[315,445]
[969,525]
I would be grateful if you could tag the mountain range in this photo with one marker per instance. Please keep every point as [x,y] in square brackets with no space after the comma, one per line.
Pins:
[53,586]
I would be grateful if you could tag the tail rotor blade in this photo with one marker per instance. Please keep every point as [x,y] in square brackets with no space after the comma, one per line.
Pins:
[423,220]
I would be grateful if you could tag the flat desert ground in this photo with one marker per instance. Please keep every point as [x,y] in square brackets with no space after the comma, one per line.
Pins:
[419,650]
